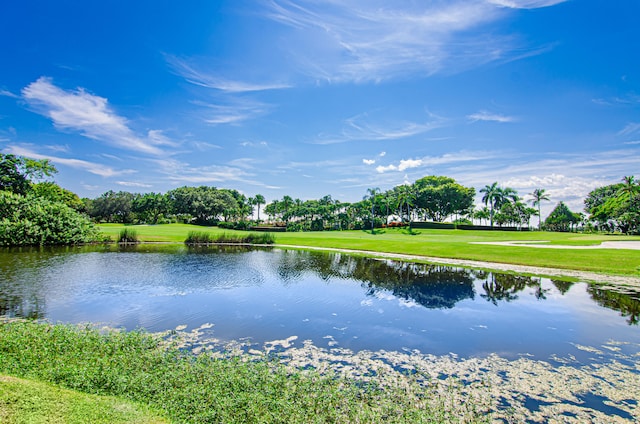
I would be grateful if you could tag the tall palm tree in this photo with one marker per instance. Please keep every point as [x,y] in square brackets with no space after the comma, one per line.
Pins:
[538,196]
[630,186]
[259,200]
[406,196]
[491,194]
[372,194]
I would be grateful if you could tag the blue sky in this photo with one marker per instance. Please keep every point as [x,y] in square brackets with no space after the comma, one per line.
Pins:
[308,98]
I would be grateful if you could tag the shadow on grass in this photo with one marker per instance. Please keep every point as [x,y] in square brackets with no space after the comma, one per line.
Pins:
[375,232]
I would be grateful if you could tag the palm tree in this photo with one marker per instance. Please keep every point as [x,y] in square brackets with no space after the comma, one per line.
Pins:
[630,186]
[491,194]
[286,204]
[259,200]
[538,196]
[372,194]
[406,196]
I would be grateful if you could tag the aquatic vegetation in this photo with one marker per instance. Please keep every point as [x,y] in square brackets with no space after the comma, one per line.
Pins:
[128,235]
[203,237]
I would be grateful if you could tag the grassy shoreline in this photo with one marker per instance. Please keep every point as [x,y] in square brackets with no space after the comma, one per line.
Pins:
[453,244]
[184,387]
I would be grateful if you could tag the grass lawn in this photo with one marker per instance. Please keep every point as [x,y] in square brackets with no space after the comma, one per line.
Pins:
[25,401]
[441,243]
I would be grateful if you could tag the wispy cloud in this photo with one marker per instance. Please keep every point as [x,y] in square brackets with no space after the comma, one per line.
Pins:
[526,4]
[448,158]
[630,128]
[178,172]
[91,167]
[362,127]
[133,184]
[6,93]
[217,114]
[89,114]
[483,115]
[374,40]
[208,79]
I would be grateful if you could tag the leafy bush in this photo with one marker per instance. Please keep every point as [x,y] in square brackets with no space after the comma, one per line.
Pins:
[36,221]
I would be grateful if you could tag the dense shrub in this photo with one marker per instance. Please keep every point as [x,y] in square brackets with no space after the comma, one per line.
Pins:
[35,221]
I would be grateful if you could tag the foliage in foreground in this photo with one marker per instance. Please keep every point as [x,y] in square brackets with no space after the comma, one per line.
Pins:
[199,388]
[36,221]
[24,401]
[204,237]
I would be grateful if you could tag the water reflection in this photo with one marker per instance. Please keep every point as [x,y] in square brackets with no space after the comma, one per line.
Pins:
[29,276]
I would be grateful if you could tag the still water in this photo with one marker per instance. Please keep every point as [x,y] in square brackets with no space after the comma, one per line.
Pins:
[332,299]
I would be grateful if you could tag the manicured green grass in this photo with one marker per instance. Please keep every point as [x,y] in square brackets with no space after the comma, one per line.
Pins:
[29,402]
[444,244]
[198,388]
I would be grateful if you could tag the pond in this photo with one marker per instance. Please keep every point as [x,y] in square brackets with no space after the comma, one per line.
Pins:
[338,304]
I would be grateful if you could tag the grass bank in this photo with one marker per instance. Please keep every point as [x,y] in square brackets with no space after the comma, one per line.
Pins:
[184,387]
[26,401]
[454,244]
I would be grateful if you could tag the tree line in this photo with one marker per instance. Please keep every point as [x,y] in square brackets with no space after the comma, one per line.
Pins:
[25,192]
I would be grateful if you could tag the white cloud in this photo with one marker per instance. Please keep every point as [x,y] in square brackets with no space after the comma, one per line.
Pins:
[91,167]
[90,115]
[483,115]
[631,128]
[363,127]
[233,112]
[7,93]
[374,40]
[213,81]
[133,184]
[368,161]
[526,4]
[445,159]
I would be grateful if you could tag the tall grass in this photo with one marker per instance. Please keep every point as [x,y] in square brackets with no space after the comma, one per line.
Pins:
[128,235]
[198,388]
[203,237]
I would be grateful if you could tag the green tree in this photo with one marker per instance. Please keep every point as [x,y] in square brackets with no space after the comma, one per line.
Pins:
[113,207]
[149,207]
[538,196]
[491,194]
[371,196]
[439,197]
[17,172]
[616,206]
[258,200]
[55,193]
[561,218]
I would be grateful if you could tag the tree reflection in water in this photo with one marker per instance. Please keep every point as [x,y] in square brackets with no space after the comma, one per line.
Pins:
[23,287]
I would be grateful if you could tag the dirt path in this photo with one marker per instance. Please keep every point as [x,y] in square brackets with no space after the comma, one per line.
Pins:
[619,280]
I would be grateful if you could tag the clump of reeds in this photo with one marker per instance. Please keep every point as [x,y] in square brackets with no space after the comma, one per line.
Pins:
[128,235]
[202,237]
